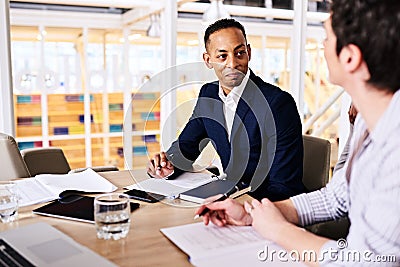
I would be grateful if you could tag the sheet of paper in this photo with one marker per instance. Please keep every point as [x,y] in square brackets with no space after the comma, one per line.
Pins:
[30,192]
[222,246]
[87,181]
[199,241]
[172,188]
[190,180]
[46,187]
[158,186]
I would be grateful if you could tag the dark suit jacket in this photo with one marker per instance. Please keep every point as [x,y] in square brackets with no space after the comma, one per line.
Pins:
[265,148]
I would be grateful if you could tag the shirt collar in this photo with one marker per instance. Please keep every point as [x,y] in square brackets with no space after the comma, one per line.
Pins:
[389,121]
[236,92]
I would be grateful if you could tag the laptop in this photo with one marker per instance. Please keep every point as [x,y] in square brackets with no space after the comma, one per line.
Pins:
[40,244]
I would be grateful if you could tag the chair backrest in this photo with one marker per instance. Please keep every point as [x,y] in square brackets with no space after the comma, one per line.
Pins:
[316,163]
[11,163]
[50,160]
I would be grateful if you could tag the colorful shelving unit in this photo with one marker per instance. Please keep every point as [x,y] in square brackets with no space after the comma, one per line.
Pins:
[66,126]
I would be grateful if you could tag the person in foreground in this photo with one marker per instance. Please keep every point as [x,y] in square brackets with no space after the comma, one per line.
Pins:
[254,126]
[362,53]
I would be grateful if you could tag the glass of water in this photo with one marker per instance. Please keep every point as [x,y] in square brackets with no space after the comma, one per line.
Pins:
[111,215]
[8,201]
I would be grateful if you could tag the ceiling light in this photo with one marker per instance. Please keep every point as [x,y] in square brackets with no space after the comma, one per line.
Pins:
[215,11]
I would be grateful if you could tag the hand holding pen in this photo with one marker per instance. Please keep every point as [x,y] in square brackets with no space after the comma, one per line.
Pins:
[222,210]
[159,166]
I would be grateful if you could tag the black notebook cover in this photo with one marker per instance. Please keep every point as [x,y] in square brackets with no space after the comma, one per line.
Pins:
[73,207]
[199,194]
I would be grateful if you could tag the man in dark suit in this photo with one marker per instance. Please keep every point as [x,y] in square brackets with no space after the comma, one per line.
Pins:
[254,126]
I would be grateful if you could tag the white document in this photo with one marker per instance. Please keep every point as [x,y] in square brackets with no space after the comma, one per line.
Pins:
[172,188]
[224,246]
[46,187]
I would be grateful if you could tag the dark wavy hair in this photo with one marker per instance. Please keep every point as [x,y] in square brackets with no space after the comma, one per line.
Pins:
[222,24]
[373,26]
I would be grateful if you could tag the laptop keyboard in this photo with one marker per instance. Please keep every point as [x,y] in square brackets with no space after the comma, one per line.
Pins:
[10,257]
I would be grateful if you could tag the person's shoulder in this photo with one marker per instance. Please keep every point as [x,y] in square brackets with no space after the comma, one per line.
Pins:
[271,92]
[209,89]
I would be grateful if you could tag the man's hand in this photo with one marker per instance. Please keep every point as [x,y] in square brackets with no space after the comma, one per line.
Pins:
[159,166]
[224,212]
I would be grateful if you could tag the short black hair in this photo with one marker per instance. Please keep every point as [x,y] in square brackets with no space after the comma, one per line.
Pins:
[222,24]
[373,26]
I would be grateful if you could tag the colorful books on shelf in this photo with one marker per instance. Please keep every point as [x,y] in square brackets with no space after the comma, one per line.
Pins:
[29,121]
[77,98]
[32,99]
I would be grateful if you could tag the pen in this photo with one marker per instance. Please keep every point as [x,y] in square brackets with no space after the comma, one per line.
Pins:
[238,187]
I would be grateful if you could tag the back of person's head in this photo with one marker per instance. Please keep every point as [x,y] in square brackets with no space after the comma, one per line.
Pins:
[373,26]
[222,24]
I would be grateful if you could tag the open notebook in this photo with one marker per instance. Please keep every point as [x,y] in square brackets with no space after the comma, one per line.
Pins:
[46,187]
[172,188]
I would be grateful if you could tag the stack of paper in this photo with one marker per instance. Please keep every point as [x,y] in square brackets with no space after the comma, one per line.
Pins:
[227,246]
[46,187]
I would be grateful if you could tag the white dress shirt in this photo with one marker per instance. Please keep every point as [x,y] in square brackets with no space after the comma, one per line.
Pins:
[368,189]
[230,102]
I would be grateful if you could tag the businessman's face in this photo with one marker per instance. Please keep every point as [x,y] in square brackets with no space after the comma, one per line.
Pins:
[229,55]
[332,59]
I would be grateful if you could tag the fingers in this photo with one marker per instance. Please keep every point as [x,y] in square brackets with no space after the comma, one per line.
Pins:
[169,165]
[163,159]
[248,208]
[218,205]
[211,199]
[150,168]
[157,162]
[159,166]
[265,201]
[218,217]
[255,203]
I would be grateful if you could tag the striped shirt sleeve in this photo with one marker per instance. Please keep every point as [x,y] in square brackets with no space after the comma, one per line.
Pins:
[328,203]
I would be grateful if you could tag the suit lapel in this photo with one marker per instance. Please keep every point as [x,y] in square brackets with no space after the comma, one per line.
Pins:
[243,108]
[217,114]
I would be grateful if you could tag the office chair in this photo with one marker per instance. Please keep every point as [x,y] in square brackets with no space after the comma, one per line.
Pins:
[51,160]
[316,165]
[316,162]
[11,163]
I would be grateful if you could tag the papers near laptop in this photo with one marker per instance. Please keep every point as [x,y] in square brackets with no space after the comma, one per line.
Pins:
[40,244]
[224,246]
[172,188]
[46,187]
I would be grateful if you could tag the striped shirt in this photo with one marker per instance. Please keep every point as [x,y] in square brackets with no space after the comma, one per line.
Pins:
[368,190]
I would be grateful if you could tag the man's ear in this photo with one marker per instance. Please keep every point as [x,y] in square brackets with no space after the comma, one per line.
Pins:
[206,58]
[351,58]
[353,62]
[249,51]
